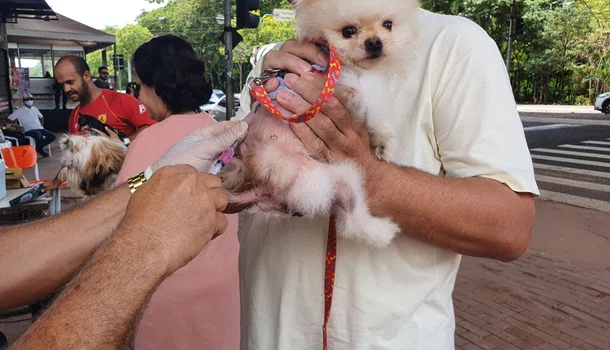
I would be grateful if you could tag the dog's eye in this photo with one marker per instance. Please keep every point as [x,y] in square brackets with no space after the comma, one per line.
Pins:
[348,32]
[387,25]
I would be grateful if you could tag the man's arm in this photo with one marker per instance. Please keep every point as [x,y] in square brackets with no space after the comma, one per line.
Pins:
[40,116]
[40,257]
[140,129]
[472,216]
[136,114]
[167,223]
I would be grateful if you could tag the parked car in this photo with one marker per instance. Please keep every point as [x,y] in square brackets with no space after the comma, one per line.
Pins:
[217,95]
[602,103]
[218,110]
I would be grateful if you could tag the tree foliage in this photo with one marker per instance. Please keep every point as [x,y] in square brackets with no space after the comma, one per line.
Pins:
[562,54]
[128,39]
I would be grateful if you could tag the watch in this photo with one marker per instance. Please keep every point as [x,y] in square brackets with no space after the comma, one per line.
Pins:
[139,179]
[136,181]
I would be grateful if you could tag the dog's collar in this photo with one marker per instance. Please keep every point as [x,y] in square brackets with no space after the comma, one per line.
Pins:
[333,72]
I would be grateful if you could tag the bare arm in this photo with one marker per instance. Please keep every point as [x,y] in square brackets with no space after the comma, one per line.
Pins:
[167,223]
[472,216]
[112,288]
[133,137]
[39,257]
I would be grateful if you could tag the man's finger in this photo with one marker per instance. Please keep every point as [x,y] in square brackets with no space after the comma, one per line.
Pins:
[220,198]
[285,61]
[339,115]
[305,50]
[322,125]
[270,85]
[210,181]
[308,85]
[292,102]
[311,141]
[221,224]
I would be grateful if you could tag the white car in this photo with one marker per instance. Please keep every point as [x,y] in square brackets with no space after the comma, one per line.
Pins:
[217,95]
[602,103]
[218,109]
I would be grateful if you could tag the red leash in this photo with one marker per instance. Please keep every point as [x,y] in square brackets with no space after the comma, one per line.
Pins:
[332,77]
[329,277]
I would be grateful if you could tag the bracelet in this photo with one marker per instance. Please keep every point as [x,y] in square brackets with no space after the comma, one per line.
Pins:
[136,181]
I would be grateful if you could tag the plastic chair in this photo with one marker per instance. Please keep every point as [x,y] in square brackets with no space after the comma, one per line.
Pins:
[23,157]
[33,144]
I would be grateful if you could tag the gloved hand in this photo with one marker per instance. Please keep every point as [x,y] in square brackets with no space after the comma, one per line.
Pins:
[201,147]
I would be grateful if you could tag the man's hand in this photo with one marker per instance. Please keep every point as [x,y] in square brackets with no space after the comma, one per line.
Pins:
[201,147]
[113,135]
[166,224]
[332,134]
[175,214]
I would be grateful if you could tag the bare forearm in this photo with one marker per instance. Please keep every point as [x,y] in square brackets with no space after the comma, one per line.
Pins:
[472,216]
[40,257]
[100,307]
[133,137]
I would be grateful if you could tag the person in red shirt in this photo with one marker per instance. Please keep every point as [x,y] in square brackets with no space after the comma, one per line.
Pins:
[120,111]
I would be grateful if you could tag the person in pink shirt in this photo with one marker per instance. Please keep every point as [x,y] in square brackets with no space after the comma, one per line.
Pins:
[198,306]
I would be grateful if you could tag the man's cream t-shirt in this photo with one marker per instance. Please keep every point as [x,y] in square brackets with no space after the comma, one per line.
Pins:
[455,116]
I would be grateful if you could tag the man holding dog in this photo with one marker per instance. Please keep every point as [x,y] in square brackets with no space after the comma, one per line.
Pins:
[458,179]
[120,111]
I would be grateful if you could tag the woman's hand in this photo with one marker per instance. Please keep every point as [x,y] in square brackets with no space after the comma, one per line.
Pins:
[201,147]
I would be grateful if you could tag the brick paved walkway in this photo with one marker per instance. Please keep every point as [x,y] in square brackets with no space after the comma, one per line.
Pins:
[535,302]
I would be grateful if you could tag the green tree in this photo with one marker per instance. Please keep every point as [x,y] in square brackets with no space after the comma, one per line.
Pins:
[269,31]
[128,39]
[195,21]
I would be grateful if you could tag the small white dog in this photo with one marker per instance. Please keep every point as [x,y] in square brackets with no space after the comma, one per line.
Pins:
[375,41]
[90,164]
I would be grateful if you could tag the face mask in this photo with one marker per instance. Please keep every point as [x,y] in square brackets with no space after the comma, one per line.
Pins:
[29,103]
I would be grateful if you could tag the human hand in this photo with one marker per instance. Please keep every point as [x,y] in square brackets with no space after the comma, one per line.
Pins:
[201,147]
[113,135]
[332,134]
[174,215]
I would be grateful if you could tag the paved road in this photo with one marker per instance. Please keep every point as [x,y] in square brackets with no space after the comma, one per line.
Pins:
[571,155]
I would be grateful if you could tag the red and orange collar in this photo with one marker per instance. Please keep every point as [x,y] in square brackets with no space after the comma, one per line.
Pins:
[333,72]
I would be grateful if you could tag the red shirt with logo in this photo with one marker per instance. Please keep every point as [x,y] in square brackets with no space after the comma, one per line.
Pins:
[121,111]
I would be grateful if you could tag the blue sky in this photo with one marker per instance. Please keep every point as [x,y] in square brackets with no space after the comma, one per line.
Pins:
[111,12]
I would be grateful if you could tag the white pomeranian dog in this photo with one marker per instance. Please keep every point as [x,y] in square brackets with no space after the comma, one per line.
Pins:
[375,40]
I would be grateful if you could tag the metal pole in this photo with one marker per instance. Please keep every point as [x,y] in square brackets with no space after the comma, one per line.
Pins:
[116,81]
[129,71]
[513,6]
[230,109]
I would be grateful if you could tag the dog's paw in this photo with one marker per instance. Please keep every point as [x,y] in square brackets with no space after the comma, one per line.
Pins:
[374,231]
[381,232]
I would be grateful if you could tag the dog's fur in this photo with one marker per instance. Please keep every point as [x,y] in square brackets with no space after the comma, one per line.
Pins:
[90,164]
[281,174]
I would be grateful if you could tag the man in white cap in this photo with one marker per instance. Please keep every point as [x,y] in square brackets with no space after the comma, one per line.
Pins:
[32,120]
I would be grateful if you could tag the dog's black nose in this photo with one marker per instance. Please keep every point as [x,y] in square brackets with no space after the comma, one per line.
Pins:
[374,46]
